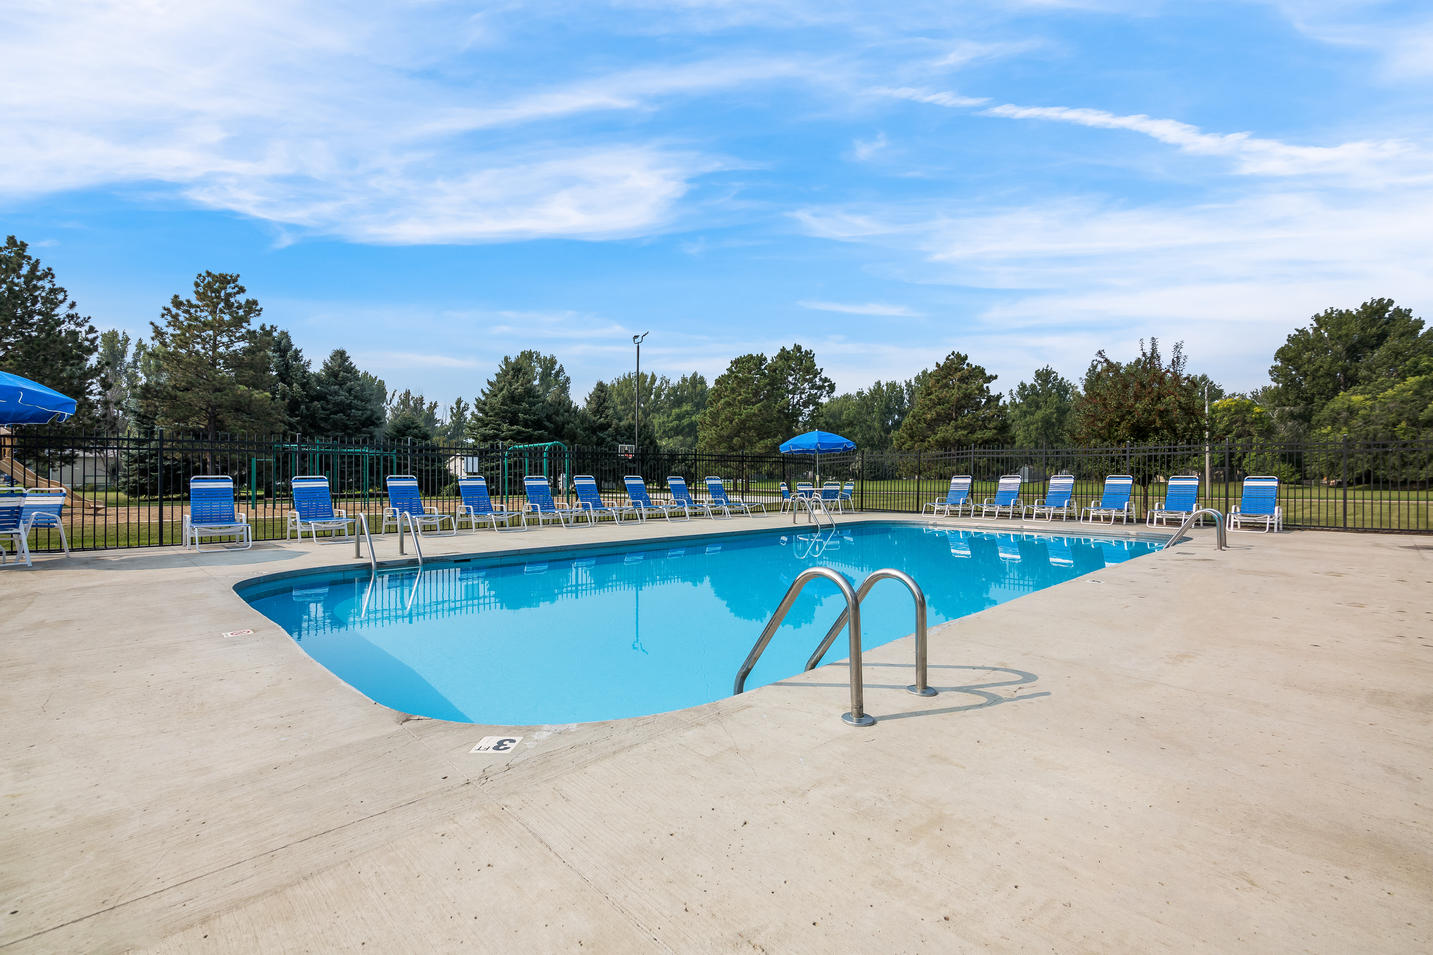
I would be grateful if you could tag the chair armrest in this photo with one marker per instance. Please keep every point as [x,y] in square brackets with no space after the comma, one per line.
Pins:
[341,513]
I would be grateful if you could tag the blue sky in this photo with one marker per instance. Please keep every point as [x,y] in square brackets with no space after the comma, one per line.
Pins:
[434,185]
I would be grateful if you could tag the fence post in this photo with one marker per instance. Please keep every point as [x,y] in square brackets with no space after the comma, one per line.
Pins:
[917,504]
[1343,482]
[1228,473]
[159,480]
[861,472]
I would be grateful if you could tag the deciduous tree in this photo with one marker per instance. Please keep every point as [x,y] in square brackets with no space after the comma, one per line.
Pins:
[1143,401]
[1344,349]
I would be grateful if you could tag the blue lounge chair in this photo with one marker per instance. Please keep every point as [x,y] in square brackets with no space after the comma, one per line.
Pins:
[848,496]
[591,505]
[212,513]
[1114,502]
[44,507]
[831,496]
[716,490]
[1007,497]
[540,503]
[786,504]
[403,498]
[957,498]
[677,486]
[1057,498]
[313,509]
[642,502]
[12,527]
[805,489]
[477,505]
[1181,498]
[1259,504]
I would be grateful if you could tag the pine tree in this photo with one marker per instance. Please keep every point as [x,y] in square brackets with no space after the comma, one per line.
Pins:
[798,386]
[510,410]
[599,418]
[214,365]
[1040,410]
[42,336]
[741,414]
[954,407]
[454,429]
[347,403]
[293,383]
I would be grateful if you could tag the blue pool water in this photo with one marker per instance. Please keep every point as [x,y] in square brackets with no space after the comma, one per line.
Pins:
[598,633]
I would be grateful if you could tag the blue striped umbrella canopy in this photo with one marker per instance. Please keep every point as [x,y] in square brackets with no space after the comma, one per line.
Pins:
[22,401]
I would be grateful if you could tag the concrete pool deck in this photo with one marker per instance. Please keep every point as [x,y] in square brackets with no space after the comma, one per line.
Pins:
[1189,751]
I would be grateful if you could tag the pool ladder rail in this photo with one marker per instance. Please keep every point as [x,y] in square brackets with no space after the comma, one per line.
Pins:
[1221,539]
[851,619]
[404,520]
[814,506]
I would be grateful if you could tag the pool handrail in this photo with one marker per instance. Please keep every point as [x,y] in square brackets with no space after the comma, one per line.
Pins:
[1221,540]
[362,523]
[857,716]
[920,687]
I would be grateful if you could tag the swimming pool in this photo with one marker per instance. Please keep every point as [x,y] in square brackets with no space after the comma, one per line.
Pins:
[579,634]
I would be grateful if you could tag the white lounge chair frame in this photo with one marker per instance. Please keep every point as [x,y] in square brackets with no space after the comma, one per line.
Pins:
[238,528]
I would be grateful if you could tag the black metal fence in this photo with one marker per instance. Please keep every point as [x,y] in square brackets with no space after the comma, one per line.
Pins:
[131,491]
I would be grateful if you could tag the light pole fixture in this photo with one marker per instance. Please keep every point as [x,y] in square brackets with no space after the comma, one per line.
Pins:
[637,395]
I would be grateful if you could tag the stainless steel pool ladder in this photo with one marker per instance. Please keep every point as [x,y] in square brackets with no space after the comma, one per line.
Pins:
[814,506]
[358,542]
[404,517]
[1221,539]
[852,616]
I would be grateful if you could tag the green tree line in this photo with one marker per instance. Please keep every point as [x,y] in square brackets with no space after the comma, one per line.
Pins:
[211,366]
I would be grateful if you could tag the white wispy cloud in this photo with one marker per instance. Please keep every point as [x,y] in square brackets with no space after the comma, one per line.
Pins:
[324,122]
[965,52]
[863,149]
[868,308]
[1232,278]
[1399,36]
[945,98]
[1251,154]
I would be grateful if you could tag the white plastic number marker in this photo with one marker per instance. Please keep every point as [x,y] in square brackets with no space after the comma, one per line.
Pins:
[497,744]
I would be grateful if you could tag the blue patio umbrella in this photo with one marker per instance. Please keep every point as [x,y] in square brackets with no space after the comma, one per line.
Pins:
[22,401]
[817,443]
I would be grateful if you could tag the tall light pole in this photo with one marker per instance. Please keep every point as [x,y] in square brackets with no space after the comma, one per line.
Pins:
[637,395]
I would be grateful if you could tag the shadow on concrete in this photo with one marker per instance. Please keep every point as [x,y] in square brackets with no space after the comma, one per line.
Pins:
[979,690]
